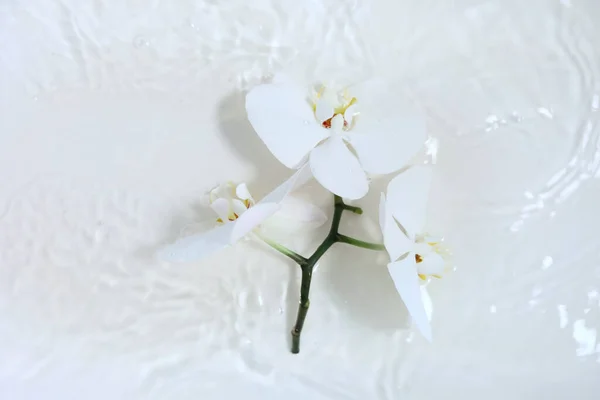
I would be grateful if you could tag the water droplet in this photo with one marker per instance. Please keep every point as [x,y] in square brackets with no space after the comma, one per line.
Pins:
[547,262]
[493,123]
[532,303]
[493,309]
[140,42]
[563,315]
[516,117]
[306,122]
[35,98]
[517,225]
[585,338]
[431,146]
[545,112]
[492,119]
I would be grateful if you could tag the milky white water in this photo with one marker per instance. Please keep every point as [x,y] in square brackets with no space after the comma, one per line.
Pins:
[116,116]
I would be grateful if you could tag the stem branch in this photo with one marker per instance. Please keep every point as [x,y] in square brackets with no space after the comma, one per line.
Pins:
[283,250]
[307,264]
[353,209]
[359,243]
[302,308]
[331,238]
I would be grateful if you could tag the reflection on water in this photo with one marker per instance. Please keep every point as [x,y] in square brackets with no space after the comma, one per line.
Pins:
[585,338]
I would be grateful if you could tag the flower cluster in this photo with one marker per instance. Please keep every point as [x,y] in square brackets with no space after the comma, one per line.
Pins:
[342,138]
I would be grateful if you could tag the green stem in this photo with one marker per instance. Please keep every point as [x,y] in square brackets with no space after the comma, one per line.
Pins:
[284,250]
[331,238]
[355,210]
[307,264]
[359,243]
[302,308]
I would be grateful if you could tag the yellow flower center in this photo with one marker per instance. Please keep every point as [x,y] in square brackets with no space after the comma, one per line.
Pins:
[232,216]
[340,109]
[438,248]
[236,205]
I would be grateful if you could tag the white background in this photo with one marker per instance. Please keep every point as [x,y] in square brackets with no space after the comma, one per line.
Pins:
[116,117]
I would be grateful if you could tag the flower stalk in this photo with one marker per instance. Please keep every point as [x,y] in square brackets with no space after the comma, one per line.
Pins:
[307,264]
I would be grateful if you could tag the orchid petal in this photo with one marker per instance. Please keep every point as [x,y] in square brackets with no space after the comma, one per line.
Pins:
[285,122]
[427,302]
[269,205]
[324,110]
[238,207]
[350,113]
[395,241]
[197,247]
[432,264]
[242,192]
[387,135]
[282,77]
[300,210]
[329,95]
[406,280]
[224,191]
[222,208]
[422,249]
[336,168]
[337,123]
[432,239]
[251,219]
[407,198]
[299,178]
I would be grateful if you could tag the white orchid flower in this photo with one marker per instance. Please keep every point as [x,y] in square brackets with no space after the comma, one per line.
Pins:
[343,135]
[238,215]
[414,255]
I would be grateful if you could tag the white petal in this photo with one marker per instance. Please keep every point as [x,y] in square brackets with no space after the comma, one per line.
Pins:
[269,205]
[197,247]
[299,178]
[299,210]
[406,280]
[407,196]
[238,207]
[284,120]
[337,123]
[395,241]
[221,207]
[433,239]
[252,219]
[336,168]
[422,249]
[324,110]
[382,212]
[242,192]
[387,134]
[329,95]
[427,302]
[224,191]
[432,264]
[350,113]
[282,77]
